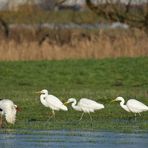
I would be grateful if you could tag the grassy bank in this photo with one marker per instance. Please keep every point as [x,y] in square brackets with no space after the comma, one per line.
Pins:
[101,80]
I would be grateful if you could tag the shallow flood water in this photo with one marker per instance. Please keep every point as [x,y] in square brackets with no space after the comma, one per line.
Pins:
[64,138]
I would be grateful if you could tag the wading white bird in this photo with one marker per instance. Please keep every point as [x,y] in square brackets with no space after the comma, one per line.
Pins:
[8,109]
[132,105]
[51,101]
[85,105]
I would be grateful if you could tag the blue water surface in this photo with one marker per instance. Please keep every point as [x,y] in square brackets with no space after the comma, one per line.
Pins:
[66,139]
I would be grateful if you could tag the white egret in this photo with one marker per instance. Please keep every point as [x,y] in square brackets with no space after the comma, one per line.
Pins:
[51,101]
[8,109]
[85,105]
[132,105]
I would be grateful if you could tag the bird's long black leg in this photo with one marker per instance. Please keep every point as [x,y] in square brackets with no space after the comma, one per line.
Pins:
[52,116]
[1,121]
[135,117]
[81,116]
[90,118]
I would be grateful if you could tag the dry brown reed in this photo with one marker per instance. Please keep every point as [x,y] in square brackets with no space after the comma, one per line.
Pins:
[74,44]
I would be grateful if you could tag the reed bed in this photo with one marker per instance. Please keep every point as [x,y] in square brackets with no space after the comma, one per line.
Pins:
[73,44]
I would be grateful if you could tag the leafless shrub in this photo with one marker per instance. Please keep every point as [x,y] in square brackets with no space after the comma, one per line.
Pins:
[134,14]
[4,28]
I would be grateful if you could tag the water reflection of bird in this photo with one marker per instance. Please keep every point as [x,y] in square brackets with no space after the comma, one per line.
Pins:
[8,109]
[85,105]
[51,101]
[132,105]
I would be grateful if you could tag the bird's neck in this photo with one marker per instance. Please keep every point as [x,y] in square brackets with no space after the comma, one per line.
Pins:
[124,106]
[74,106]
[42,99]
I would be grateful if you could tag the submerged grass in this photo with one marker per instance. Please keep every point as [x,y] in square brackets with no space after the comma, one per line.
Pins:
[100,80]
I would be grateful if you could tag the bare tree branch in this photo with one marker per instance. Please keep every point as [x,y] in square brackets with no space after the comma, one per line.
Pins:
[5,27]
[59,2]
[134,14]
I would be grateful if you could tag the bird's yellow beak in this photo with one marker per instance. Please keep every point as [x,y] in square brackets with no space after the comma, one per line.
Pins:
[38,92]
[66,103]
[113,101]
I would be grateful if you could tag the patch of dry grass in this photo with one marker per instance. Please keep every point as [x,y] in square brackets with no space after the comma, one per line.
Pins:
[74,44]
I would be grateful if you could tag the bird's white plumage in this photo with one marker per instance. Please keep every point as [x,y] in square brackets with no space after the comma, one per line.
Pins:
[88,105]
[8,110]
[51,101]
[54,103]
[85,105]
[132,105]
[136,106]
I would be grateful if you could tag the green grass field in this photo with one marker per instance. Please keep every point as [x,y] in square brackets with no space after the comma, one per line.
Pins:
[100,80]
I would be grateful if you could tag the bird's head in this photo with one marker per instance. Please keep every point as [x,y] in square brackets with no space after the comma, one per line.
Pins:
[70,100]
[117,99]
[18,109]
[44,92]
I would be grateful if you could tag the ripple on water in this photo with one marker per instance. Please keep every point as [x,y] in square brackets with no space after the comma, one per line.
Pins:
[68,138]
